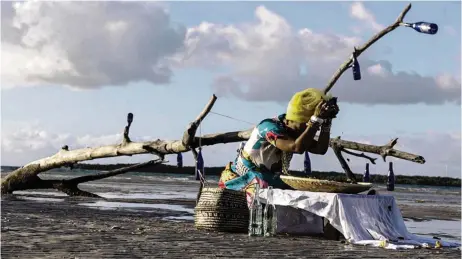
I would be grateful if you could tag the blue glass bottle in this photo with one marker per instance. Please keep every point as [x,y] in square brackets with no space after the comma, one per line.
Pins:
[179,160]
[423,27]
[200,166]
[356,68]
[307,163]
[391,178]
[130,118]
[366,177]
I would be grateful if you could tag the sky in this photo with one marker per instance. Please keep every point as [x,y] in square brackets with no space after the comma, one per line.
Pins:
[71,71]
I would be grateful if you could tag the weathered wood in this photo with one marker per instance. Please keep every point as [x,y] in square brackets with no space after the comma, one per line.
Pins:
[383,151]
[189,134]
[360,155]
[358,51]
[346,168]
[62,158]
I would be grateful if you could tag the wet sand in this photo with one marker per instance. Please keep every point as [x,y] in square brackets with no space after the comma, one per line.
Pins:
[61,228]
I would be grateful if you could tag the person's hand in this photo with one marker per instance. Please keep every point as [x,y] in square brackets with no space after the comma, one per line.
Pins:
[332,110]
[322,110]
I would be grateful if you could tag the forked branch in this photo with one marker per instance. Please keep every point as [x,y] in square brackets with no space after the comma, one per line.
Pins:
[358,51]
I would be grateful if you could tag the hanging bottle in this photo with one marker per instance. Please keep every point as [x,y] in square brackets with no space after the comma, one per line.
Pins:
[269,215]
[366,177]
[256,214]
[356,68]
[423,27]
[200,166]
[130,118]
[391,178]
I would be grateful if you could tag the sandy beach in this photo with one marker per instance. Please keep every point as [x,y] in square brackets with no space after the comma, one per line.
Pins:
[132,223]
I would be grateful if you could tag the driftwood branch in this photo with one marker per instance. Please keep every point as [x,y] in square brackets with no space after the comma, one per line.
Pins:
[338,146]
[338,153]
[358,51]
[21,178]
[70,186]
[360,155]
[94,177]
[384,151]
[189,134]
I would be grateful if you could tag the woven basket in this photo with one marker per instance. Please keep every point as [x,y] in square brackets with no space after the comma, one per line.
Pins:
[316,185]
[222,210]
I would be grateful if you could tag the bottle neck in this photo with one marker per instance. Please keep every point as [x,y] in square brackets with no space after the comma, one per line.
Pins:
[406,24]
[257,193]
[269,195]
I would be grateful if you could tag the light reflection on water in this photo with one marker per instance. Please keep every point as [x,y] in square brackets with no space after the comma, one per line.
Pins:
[149,196]
[122,205]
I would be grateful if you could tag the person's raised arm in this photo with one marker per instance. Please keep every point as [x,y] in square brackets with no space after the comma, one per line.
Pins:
[300,144]
[321,146]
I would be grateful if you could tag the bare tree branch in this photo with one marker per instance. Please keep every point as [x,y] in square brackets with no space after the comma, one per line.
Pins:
[358,51]
[384,151]
[70,186]
[102,175]
[189,134]
[360,155]
[337,148]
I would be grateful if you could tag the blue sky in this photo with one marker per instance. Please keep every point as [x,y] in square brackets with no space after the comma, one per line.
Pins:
[163,110]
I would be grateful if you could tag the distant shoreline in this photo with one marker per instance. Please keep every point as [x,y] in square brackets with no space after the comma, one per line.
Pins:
[334,176]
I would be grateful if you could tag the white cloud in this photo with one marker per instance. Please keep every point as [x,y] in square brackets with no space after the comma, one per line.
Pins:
[112,43]
[378,70]
[86,45]
[439,149]
[263,61]
[359,11]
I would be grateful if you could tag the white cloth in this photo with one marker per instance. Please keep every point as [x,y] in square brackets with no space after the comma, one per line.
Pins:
[362,219]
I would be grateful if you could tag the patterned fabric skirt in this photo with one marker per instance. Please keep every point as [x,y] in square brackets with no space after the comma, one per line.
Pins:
[248,180]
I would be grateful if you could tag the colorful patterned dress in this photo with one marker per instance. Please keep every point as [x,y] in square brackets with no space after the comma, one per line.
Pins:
[260,161]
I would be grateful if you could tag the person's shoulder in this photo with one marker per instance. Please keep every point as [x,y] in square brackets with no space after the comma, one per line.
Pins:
[273,124]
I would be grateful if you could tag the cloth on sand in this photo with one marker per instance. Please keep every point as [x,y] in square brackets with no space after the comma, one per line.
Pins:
[362,219]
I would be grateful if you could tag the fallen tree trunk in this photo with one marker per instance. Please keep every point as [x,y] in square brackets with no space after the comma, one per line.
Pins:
[27,176]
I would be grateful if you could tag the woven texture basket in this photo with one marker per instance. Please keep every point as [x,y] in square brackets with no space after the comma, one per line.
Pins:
[222,210]
[316,185]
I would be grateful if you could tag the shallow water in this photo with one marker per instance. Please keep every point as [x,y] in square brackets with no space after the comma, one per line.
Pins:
[40,199]
[149,196]
[445,229]
[130,205]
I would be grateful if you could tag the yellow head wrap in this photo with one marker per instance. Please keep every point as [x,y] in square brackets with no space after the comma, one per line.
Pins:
[303,104]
